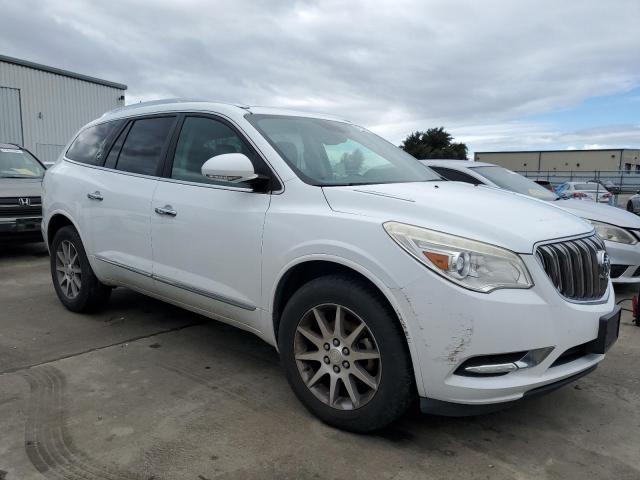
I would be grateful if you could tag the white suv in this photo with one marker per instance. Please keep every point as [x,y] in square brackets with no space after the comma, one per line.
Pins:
[378,283]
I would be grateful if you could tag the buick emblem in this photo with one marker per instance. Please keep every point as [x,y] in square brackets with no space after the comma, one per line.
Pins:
[604,264]
[24,202]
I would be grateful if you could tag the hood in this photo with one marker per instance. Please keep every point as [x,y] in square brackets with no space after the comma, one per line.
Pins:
[600,212]
[499,217]
[20,187]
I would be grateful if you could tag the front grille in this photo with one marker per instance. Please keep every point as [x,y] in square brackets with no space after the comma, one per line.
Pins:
[13,201]
[21,211]
[11,207]
[573,268]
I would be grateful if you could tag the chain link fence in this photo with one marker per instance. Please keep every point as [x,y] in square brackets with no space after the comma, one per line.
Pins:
[621,183]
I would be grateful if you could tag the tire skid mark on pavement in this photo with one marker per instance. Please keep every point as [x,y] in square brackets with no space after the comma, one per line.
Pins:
[249,398]
[48,444]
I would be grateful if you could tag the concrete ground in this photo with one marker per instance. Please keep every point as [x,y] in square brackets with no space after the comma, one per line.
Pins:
[148,391]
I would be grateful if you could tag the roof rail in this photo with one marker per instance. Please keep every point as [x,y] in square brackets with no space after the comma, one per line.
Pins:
[165,101]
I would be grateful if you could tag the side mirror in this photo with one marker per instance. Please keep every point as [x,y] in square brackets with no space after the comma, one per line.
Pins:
[229,167]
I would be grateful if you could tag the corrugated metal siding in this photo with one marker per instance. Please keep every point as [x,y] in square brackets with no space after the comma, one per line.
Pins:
[48,152]
[54,107]
[10,118]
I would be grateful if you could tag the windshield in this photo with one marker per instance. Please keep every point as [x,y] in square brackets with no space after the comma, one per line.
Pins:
[516,183]
[15,163]
[331,153]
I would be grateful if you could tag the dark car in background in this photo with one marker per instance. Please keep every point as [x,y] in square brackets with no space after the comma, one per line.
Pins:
[545,183]
[607,185]
[21,175]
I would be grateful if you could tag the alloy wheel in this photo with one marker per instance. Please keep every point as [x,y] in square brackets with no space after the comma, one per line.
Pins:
[337,356]
[68,271]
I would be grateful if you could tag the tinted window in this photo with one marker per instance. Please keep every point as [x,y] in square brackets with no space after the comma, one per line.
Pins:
[112,158]
[89,145]
[142,149]
[201,139]
[456,176]
[327,152]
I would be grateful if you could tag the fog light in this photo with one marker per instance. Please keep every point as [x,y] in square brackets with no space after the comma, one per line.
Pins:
[501,364]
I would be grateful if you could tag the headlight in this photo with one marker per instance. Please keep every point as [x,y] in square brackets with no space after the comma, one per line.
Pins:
[612,233]
[475,265]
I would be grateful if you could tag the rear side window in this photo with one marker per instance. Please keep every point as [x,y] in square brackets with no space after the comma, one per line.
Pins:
[142,149]
[89,145]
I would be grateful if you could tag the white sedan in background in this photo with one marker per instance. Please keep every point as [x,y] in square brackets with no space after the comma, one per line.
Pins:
[619,228]
[583,191]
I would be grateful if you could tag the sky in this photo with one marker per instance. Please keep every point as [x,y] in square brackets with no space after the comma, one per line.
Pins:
[499,75]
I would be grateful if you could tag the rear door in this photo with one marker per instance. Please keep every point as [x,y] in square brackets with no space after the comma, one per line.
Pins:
[207,250]
[79,176]
[121,201]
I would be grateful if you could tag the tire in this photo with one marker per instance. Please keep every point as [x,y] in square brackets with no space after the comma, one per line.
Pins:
[80,291]
[392,371]
[630,206]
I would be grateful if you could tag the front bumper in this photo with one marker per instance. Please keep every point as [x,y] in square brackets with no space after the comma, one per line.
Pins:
[625,262]
[450,409]
[449,325]
[20,228]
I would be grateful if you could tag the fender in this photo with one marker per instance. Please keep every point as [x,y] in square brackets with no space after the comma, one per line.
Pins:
[398,302]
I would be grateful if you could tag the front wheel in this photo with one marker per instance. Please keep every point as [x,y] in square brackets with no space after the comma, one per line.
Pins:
[345,355]
[75,283]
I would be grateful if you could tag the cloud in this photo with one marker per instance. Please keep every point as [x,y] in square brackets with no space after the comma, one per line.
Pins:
[474,67]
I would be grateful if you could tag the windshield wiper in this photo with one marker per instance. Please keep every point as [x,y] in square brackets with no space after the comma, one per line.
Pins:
[17,176]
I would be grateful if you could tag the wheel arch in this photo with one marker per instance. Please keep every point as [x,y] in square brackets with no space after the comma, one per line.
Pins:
[306,269]
[58,220]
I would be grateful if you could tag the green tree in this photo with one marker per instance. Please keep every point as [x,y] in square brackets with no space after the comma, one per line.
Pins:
[434,143]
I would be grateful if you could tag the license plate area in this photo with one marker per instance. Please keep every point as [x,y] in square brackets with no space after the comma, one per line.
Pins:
[27,224]
[608,332]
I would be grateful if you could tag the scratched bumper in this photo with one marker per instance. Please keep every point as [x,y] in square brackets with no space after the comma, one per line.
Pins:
[449,325]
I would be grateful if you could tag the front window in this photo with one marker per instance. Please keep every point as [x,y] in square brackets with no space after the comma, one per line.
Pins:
[515,182]
[17,163]
[331,153]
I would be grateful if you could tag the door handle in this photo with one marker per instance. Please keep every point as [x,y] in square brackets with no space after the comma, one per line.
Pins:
[166,210]
[95,196]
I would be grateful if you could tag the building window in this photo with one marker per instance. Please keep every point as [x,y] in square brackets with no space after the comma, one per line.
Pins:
[627,167]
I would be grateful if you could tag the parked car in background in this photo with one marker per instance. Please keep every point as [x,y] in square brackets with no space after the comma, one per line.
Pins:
[608,185]
[583,191]
[633,204]
[377,281]
[619,229]
[21,176]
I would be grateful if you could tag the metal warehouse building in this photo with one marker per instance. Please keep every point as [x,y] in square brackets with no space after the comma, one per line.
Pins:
[625,159]
[42,107]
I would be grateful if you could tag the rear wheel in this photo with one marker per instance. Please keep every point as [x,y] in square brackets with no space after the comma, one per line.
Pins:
[345,355]
[75,283]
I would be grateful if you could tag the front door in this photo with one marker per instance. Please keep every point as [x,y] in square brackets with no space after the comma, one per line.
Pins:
[206,234]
